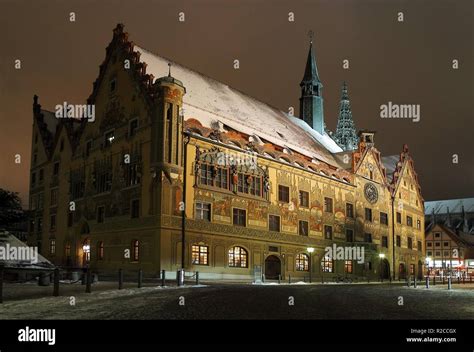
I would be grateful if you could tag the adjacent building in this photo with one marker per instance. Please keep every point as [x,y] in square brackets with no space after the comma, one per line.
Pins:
[185,171]
[450,237]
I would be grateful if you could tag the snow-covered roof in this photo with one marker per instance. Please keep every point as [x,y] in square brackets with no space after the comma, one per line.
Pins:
[390,164]
[8,242]
[210,101]
[441,206]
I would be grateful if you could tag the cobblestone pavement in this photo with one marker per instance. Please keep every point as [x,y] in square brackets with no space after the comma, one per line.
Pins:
[246,301]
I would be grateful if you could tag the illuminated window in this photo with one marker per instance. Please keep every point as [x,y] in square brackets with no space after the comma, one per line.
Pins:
[302,262]
[348,266]
[52,247]
[100,250]
[135,250]
[109,138]
[418,224]
[200,255]
[238,257]
[327,265]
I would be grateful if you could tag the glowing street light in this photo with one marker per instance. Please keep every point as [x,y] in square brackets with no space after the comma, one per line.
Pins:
[310,251]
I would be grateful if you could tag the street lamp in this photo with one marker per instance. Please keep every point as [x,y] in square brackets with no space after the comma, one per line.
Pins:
[381,256]
[310,251]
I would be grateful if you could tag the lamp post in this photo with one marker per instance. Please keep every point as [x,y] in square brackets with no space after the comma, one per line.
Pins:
[310,266]
[381,257]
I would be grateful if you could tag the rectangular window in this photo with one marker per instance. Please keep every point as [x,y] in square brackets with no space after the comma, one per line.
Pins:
[52,247]
[438,254]
[54,197]
[327,265]
[399,241]
[349,235]
[239,216]
[222,178]
[133,127]
[399,218]
[437,235]
[327,232]
[384,218]
[429,253]
[135,211]
[446,254]
[103,182]
[283,194]
[56,168]
[429,244]
[445,244]
[385,241]
[206,175]
[418,224]
[412,269]
[109,138]
[304,199]
[200,255]
[410,243]
[274,223]
[368,214]
[348,266]
[100,214]
[368,237]
[52,223]
[303,228]
[132,174]
[350,210]
[409,221]
[33,179]
[419,246]
[328,205]
[203,211]
[437,244]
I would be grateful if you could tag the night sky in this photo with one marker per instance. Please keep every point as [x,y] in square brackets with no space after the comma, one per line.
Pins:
[405,63]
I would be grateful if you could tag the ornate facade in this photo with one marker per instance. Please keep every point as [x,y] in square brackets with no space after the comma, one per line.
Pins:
[248,187]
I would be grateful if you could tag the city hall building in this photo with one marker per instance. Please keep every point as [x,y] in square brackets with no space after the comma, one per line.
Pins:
[163,154]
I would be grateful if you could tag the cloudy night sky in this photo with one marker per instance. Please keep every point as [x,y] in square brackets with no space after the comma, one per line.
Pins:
[405,63]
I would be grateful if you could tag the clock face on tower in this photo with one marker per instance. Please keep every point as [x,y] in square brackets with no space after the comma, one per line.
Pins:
[371,193]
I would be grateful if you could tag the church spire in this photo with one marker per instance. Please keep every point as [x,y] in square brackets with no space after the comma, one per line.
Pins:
[311,101]
[346,135]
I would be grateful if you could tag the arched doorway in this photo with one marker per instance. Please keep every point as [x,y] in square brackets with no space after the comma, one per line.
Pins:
[272,267]
[420,270]
[385,269]
[402,273]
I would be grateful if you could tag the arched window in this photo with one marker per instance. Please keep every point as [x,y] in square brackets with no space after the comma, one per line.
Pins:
[327,265]
[135,250]
[238,257]
[302,262]
[100,250]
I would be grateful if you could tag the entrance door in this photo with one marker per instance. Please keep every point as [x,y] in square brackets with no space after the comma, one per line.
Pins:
[401,271]
[272,267]
[385,269]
